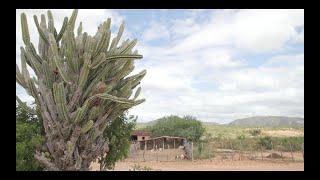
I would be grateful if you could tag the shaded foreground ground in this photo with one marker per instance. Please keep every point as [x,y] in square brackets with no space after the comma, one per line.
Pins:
[214,165]
[223,160]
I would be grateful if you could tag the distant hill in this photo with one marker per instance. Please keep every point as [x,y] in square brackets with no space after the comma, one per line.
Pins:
[268,121]
[210,123]
[155,121]
[149,123]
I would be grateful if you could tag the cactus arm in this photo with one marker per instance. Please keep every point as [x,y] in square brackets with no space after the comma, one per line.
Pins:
[34,53]
[114,98]
[73,18]
[43,46]
[84,71]
[41,33]
[25,30]
[104,40]
[50,22]
[117,39]
[62,99]
[47,74]
[137,93]
[63,29]
[34,63]
[19,78]
[80,29]
[124,56]
[87,127]
[25,107]
[129,47]
[62,73]
[98,60]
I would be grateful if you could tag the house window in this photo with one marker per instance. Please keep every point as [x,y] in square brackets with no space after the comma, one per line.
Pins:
[134,138]
[142,138]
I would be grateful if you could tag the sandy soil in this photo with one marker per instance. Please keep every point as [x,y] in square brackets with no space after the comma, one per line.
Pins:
[284,133]
[216,164]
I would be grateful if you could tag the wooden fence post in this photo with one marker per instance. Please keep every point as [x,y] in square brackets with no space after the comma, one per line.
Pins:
[250,150]
[240,153]
[168,153]
[174,143]
[210,152]
[163,143]
[157,152]
[232,150]
[302,148]
[145,148]
[261,153]
[291,151]
[281,151]
[192,151]
[271,150]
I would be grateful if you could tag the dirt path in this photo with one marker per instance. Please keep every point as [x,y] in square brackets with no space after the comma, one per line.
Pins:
[215,165]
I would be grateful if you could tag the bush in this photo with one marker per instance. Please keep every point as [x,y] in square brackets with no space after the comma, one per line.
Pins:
[27,140]
[255,132]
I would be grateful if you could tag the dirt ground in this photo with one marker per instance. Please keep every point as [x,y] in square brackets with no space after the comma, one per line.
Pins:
[284,133]
[167,162]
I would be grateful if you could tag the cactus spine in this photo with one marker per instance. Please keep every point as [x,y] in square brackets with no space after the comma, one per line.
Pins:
[81,84]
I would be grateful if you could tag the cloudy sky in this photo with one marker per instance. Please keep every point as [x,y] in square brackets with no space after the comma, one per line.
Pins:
[217,65]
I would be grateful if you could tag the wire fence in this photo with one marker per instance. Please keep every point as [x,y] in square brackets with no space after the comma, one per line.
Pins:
[233,150]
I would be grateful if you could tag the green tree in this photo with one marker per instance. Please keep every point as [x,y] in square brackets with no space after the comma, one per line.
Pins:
[187,126]
[118,132]
[27,140]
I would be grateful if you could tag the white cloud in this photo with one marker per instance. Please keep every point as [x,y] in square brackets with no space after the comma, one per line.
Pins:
[183,27]
[250,30]
[155,31]
[299,38]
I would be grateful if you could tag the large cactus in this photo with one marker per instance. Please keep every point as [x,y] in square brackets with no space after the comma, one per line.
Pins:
[81,84]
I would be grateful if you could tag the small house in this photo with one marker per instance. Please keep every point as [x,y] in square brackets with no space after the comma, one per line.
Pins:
[139,135]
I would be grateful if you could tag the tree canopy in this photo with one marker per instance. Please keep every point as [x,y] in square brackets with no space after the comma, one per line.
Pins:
[186,126]
[118,132]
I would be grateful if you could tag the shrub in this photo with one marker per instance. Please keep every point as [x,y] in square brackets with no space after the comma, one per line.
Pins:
[27,140]
[241,137]
[265,142]
[140,168]
[201,150]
